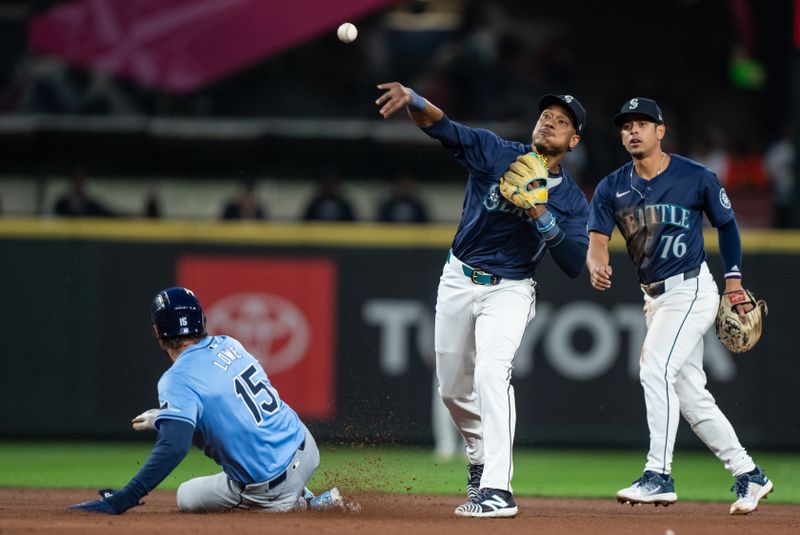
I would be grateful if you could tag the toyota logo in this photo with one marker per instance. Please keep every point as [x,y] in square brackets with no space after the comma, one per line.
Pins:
[272,328]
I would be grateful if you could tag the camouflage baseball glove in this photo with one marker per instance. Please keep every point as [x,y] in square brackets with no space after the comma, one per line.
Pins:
[525,181]
[739,332]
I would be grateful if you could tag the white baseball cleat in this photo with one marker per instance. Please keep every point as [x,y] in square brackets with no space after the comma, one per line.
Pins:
[749,489]
[651,488]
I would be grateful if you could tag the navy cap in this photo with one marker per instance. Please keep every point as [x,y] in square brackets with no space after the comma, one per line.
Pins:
[575,108]
[640,106]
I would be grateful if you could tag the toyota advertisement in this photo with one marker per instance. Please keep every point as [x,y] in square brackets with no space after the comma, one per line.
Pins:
[282,311]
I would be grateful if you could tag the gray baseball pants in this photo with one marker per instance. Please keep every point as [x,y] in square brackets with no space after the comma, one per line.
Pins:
[219,493]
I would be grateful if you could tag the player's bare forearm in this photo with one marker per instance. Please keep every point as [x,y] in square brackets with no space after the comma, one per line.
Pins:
[396,96]
[735,285]
[597,259]
[537,211]
[427,117]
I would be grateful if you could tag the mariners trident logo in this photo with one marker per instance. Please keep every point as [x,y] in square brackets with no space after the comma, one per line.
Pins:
[724,200]
[492,199]
[633,104]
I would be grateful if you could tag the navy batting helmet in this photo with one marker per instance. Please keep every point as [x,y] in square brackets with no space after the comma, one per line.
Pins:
[177,312]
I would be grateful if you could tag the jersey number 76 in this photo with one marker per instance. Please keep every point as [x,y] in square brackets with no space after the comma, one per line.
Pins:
[674,244]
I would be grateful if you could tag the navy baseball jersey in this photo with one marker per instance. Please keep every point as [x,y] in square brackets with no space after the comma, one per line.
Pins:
[494,235]
[240,421]
[661,219]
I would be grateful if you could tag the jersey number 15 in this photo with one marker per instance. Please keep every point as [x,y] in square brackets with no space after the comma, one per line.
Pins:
[249,391]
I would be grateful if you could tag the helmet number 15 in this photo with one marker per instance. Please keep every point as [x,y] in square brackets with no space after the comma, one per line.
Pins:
[674,245]
[249,392]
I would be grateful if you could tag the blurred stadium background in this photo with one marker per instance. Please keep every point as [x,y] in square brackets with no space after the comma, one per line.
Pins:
[168,107]
[233,146]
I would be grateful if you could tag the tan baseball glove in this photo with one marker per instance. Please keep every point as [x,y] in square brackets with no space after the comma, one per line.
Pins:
[740,332]
[525,181]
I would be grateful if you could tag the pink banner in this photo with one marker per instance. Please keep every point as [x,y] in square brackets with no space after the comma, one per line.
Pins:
[181,45]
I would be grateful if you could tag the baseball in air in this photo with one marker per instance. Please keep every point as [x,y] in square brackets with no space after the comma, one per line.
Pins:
[347,32]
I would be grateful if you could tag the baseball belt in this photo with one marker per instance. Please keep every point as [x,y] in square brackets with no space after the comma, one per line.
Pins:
[282,477]
[477,276]
[657,288]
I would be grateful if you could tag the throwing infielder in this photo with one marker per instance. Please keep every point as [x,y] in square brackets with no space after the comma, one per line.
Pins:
[486,292]
[217,395]
[657,201]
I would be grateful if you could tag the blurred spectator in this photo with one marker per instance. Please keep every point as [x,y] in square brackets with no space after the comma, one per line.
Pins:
[246,205]
[464,65]
[328,203]
[403,206]
[152,204]
[48,85]
[515,66]
[447,441]
[710,151]
[76,202]
[747,185]
[779,162]
[744,169]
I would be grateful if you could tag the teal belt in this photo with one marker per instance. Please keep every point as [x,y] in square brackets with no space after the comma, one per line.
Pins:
[476,275]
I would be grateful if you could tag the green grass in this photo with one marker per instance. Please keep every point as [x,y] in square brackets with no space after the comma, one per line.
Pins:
[538,472]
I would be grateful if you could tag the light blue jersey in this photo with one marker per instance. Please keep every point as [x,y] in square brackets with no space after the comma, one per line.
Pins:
[240,421]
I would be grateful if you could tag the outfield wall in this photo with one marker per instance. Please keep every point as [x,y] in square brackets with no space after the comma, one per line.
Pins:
[342,318]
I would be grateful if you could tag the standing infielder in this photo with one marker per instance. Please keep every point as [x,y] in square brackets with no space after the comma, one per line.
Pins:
[486,292]
[217,395]
[657,201]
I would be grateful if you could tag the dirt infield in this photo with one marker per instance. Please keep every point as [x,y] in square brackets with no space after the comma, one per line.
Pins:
[42,511]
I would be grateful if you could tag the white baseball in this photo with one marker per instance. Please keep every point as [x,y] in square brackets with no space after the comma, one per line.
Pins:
[347,32]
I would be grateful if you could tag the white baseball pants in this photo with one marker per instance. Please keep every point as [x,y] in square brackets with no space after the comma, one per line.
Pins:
[671,373]
[478,330]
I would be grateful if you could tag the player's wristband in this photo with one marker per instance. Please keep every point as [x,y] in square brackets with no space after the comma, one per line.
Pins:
[417,102]
[547,226]
[544,220]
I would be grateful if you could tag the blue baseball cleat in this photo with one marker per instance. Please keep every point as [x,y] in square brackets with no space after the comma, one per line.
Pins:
[327,501]
[95,506]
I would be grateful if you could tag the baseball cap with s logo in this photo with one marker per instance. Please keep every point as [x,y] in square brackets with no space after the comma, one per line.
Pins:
[639,106]
[575,109]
